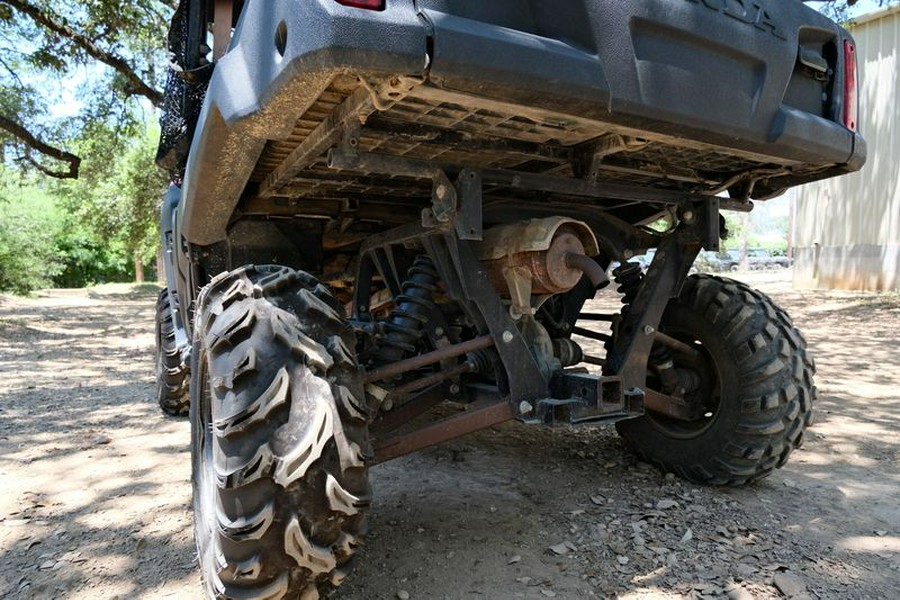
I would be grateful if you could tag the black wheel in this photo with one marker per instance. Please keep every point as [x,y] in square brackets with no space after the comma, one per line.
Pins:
[751,381]
[279,437]
[171,371]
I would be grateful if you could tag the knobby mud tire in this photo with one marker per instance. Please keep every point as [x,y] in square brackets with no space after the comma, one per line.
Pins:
[279,437]
[172,374]
[764,387]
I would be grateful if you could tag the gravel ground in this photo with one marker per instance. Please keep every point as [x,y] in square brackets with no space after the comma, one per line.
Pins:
[96,490]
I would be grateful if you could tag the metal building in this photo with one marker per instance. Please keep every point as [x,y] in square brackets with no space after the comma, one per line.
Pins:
[847,230]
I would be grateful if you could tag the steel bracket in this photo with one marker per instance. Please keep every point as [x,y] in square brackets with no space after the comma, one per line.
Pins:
[582,398]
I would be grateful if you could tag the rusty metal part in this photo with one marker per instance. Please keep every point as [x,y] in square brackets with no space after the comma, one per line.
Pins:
[667,405]
[675,345]
[424,382]
[538,251]
[417,405]
[593,360]
[596,317]
[222,21]
[591,334]
[423,360]
[534,235]
[475,418]
[551,270]
[589,267]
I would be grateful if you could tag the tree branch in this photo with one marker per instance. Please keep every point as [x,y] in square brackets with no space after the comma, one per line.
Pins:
[44,148]
[138,86]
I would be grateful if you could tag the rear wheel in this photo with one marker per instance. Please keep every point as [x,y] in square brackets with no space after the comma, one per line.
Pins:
[751,382]
[171,371]
[279,437]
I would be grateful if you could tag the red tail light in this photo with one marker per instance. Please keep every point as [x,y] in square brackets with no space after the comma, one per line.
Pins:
[368,4]
[851,86]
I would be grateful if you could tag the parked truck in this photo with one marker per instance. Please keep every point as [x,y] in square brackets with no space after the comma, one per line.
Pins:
[379,206]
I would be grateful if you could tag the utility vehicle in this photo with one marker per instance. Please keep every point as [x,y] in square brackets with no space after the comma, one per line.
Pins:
[380,206]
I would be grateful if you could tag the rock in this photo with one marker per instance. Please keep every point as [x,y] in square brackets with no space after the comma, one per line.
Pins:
[739,593]
[744,570]
[598,500]
[548,593]
[102,440]
[560,549]
[17,522]
[514,560]
[47,564]
[623,560]
[524,580]
[402,595]
[666,504]
[618,547]
[688,536]
[881,533]
[789,584]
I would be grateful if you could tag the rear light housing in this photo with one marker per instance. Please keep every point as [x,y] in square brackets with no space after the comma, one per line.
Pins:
[367,4]
[851,87]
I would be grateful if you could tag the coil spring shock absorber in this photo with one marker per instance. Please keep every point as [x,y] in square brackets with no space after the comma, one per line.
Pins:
[661,360]
[628,276]
[406,322]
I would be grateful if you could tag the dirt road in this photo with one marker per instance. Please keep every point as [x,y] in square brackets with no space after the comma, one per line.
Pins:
[95,498]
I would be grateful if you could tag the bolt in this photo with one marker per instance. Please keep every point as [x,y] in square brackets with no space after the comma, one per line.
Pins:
[439,331]
[688,216]
[525,407]
[648,329]
[441,191]
[454,388]
[627,253]
[507,336]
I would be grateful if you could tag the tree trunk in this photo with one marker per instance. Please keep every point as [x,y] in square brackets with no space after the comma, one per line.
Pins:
[160,269]
[138,268]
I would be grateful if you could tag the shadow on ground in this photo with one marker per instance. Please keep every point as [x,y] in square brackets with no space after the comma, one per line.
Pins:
[96,500]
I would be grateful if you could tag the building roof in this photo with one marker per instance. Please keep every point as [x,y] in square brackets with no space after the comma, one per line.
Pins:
[875,15]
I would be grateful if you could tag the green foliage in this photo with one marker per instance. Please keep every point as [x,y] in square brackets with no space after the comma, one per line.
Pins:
[83,232]
[102,52]
[29,227]
[87,259]
[118,193]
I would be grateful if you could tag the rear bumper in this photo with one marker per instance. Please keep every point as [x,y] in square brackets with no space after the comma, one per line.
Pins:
[665,66]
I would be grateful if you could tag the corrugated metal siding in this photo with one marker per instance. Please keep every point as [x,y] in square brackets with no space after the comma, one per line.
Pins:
[848,229]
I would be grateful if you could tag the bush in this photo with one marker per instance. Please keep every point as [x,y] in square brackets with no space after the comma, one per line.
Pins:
[29,227]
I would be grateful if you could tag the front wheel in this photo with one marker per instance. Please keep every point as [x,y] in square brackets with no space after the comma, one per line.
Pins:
[279,437]
[750,381]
